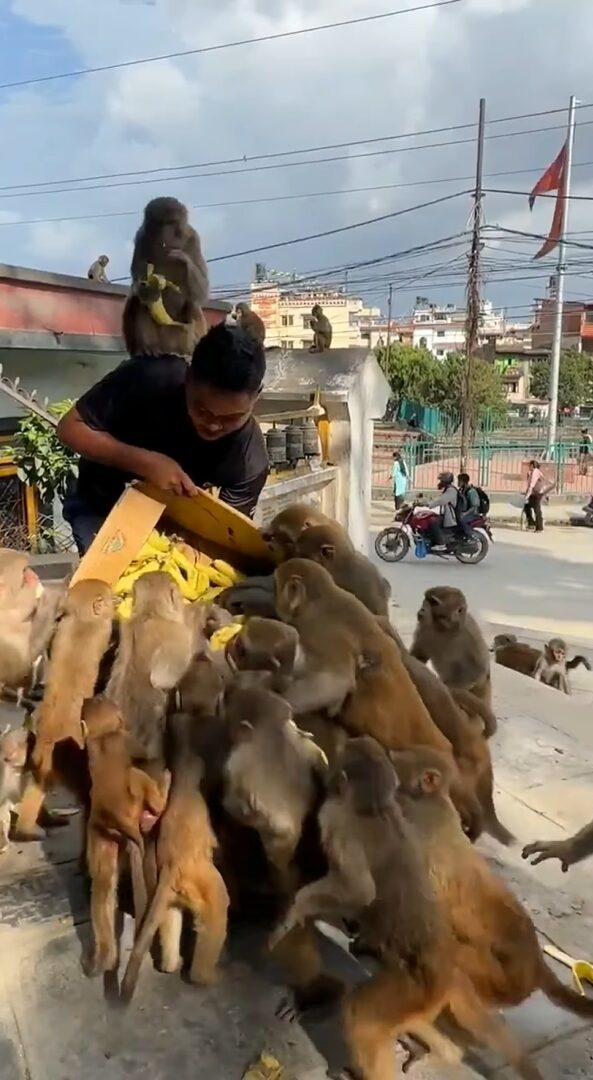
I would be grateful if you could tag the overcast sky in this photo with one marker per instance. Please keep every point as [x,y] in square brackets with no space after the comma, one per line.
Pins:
[403,74]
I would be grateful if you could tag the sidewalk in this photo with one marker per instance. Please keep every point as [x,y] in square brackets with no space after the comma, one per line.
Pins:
[55,1024]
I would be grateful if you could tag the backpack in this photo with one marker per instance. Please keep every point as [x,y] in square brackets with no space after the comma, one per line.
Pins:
[484,500]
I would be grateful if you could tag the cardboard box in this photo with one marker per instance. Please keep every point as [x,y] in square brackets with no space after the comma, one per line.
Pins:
[209,525]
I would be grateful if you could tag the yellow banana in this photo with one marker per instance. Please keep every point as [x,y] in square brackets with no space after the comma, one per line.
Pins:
[159,542]
[211,594]
[220,638]
[133,572]
[216,578]
[124,608]
[227,570]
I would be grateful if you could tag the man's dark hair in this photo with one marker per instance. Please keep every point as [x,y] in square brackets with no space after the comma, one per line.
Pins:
[463,478]
[229,358]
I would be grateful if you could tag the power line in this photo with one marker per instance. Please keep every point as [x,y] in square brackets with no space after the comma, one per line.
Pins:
[300,195]
[229,44]
[340,229]
[526,194]
[12,194]
[244,158]
[536,236]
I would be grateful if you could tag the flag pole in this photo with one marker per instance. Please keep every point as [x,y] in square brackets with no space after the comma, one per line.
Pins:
[561,272]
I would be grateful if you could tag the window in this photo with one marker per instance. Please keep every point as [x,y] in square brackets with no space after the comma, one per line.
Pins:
[440,316]
[287,320]
[440,333]
[422,342]
[440,352]
[306,322]
[305,344]
[290,344]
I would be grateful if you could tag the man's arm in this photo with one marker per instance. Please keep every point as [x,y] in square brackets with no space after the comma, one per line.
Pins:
[442,500]
[87,429]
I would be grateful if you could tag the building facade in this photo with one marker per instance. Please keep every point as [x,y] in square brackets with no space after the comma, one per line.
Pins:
[440,328]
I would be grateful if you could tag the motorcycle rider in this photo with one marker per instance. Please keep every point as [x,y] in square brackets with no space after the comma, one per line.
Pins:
[446,503]
[469,502]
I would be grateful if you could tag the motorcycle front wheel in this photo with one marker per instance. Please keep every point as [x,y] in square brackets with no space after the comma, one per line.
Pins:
[392,544]
[473,550]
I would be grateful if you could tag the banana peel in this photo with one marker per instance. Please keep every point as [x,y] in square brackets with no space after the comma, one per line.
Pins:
[582,970]
[266,1068]
[221,638]
[157,309]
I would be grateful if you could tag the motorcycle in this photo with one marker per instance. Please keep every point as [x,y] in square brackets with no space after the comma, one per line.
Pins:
[589,513]
[411,526]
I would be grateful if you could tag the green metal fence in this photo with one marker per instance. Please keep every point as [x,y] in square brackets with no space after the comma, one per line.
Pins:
[499,466]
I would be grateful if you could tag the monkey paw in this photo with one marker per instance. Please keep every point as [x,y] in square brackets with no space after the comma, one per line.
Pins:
[413,1053]
[26,835]
[552,850]
[287,1010]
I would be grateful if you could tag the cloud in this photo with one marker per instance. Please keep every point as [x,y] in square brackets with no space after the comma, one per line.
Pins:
[418,71]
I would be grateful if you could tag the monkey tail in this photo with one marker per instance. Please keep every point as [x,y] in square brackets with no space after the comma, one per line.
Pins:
[492,824]
[152,920]
[474,706]
[576,660]
[562,995]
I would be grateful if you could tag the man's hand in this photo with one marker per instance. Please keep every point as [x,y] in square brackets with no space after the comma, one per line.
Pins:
[166,474]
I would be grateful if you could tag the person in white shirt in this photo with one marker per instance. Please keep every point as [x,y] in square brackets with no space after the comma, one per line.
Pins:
[536,483]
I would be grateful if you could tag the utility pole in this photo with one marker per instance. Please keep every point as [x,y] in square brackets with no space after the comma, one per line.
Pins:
[472,321]
[389,303]
[561,272]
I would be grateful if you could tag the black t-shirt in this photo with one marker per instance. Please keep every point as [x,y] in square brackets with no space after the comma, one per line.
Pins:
[142,403]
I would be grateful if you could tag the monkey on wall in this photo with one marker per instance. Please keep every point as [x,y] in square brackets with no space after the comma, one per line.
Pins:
[251,322]
[322,329]
[97,271]
[163,312]
[548,665]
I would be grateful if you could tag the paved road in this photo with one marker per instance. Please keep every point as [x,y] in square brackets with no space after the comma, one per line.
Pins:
[538,585]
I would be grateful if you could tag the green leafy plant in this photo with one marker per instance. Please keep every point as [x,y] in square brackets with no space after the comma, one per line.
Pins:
[575,384]
[42,460]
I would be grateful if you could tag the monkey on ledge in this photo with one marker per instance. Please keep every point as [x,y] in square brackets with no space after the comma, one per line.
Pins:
[322,329]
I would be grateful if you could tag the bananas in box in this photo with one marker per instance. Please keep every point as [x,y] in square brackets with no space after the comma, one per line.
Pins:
[196,580]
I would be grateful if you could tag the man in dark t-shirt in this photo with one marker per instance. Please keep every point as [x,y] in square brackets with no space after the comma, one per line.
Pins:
[178,426]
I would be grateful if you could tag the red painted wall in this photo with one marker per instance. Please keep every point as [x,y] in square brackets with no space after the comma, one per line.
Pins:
[67,310]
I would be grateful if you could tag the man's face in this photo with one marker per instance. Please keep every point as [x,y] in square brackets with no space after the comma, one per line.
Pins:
[214,412]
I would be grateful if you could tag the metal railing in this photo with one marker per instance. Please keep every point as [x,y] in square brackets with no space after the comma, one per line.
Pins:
[499,467]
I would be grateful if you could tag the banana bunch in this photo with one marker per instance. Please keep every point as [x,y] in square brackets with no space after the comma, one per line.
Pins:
[196,580]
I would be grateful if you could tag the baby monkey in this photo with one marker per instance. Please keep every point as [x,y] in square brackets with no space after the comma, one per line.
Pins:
[552,666]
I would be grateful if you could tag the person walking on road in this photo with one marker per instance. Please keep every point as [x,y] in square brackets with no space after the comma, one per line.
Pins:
[536,483]
[584,451]
[400,479]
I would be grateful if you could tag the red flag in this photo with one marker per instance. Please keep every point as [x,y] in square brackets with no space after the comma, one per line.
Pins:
[552,180]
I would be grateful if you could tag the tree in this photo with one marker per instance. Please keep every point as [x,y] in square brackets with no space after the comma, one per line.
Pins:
[487,386]
[575,383]
[41,459]
[411,372]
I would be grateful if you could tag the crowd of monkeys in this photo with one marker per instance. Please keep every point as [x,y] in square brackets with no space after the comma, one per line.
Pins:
[317,769]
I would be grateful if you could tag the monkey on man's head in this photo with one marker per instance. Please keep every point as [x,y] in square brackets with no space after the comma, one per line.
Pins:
[163,313]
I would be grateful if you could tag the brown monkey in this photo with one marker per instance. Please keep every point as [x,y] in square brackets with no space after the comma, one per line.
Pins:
[19,599]
[377,875]
[322,329]
[464,720]
[331,547]
[97,271]
[14,748]
[187,877]
[570,851]
[125,802]
[156,646]
[498,946]
[251,322]
[80,641]
[515,654]
[265,645]
[448,636]
[163,312]
[552,667]
[350,666]
[285,529]
[270,774]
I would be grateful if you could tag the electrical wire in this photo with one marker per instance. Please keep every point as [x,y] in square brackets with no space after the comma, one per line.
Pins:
[229,44]
[12,194]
